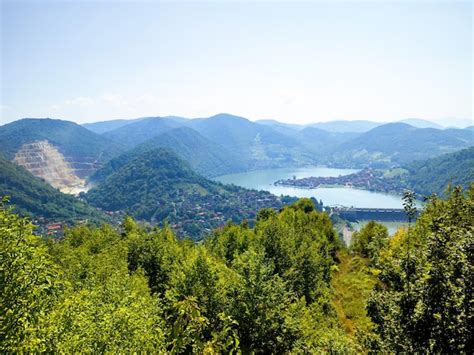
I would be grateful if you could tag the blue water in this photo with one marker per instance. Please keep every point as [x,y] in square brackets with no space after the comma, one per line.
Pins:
[331,196]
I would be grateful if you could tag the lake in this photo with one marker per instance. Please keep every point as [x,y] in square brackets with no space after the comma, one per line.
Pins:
[331,196]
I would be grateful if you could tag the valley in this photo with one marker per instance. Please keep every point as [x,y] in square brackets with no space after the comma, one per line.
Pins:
[236,177]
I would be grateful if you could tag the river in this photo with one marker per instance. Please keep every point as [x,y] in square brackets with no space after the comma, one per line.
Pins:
[331,196]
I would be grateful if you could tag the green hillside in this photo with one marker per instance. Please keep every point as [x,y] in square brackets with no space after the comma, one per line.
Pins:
[72,139]
[341,126]
[321,142]
[138,131]
[262,146]
[400,143]
[233,130]
[258,146]
[269,144]
[204,156]
[35,198]
[433,175]
[106,126]
[157,185]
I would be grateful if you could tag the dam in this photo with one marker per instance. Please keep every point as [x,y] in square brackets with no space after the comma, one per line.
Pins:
[376,214]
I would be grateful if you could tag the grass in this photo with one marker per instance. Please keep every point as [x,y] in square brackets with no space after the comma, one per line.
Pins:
[352,284]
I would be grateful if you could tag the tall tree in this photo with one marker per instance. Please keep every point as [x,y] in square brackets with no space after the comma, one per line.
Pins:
[29,285]
[427,306]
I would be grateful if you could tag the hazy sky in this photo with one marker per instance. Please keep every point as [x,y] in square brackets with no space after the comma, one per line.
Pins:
[295,62]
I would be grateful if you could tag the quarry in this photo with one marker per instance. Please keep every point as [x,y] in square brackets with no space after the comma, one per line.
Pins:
[44,160]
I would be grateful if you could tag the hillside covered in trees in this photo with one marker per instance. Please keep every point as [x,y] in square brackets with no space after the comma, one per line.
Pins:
[433,175]
[398,144]
[285,285]
[204,156]
[157,186]
[223,144]
[268,144]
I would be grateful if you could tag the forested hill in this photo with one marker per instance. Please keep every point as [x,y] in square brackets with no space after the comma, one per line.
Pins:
[71,139]
[106,126]
[205,157]
[358,126]
[139,131]
[399,143]
[270,144]
[433,175]
[33,197]
[158,186]
[258,146]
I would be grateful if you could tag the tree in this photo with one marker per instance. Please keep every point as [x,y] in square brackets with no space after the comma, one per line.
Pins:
[304,204]
[427,307]
[105,308]
[157,253]
[300,243]
[202,283]
[117,314]
[265,213]
[29,285]
[133,288]
[370,240]
[260,304]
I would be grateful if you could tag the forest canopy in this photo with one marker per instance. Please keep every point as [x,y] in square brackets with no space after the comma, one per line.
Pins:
[285,285]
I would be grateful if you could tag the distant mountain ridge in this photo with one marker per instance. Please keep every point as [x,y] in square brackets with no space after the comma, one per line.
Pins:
[341,126]
[259,146]
[400,143]
[106,126]
[281,125]
[138,131]
[226,143]
[262,146]
[419,123]
[269,144]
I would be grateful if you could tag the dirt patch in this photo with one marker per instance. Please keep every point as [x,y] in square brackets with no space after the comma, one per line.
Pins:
[45,161]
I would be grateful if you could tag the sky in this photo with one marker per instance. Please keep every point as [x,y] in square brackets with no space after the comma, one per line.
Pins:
[296,62]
